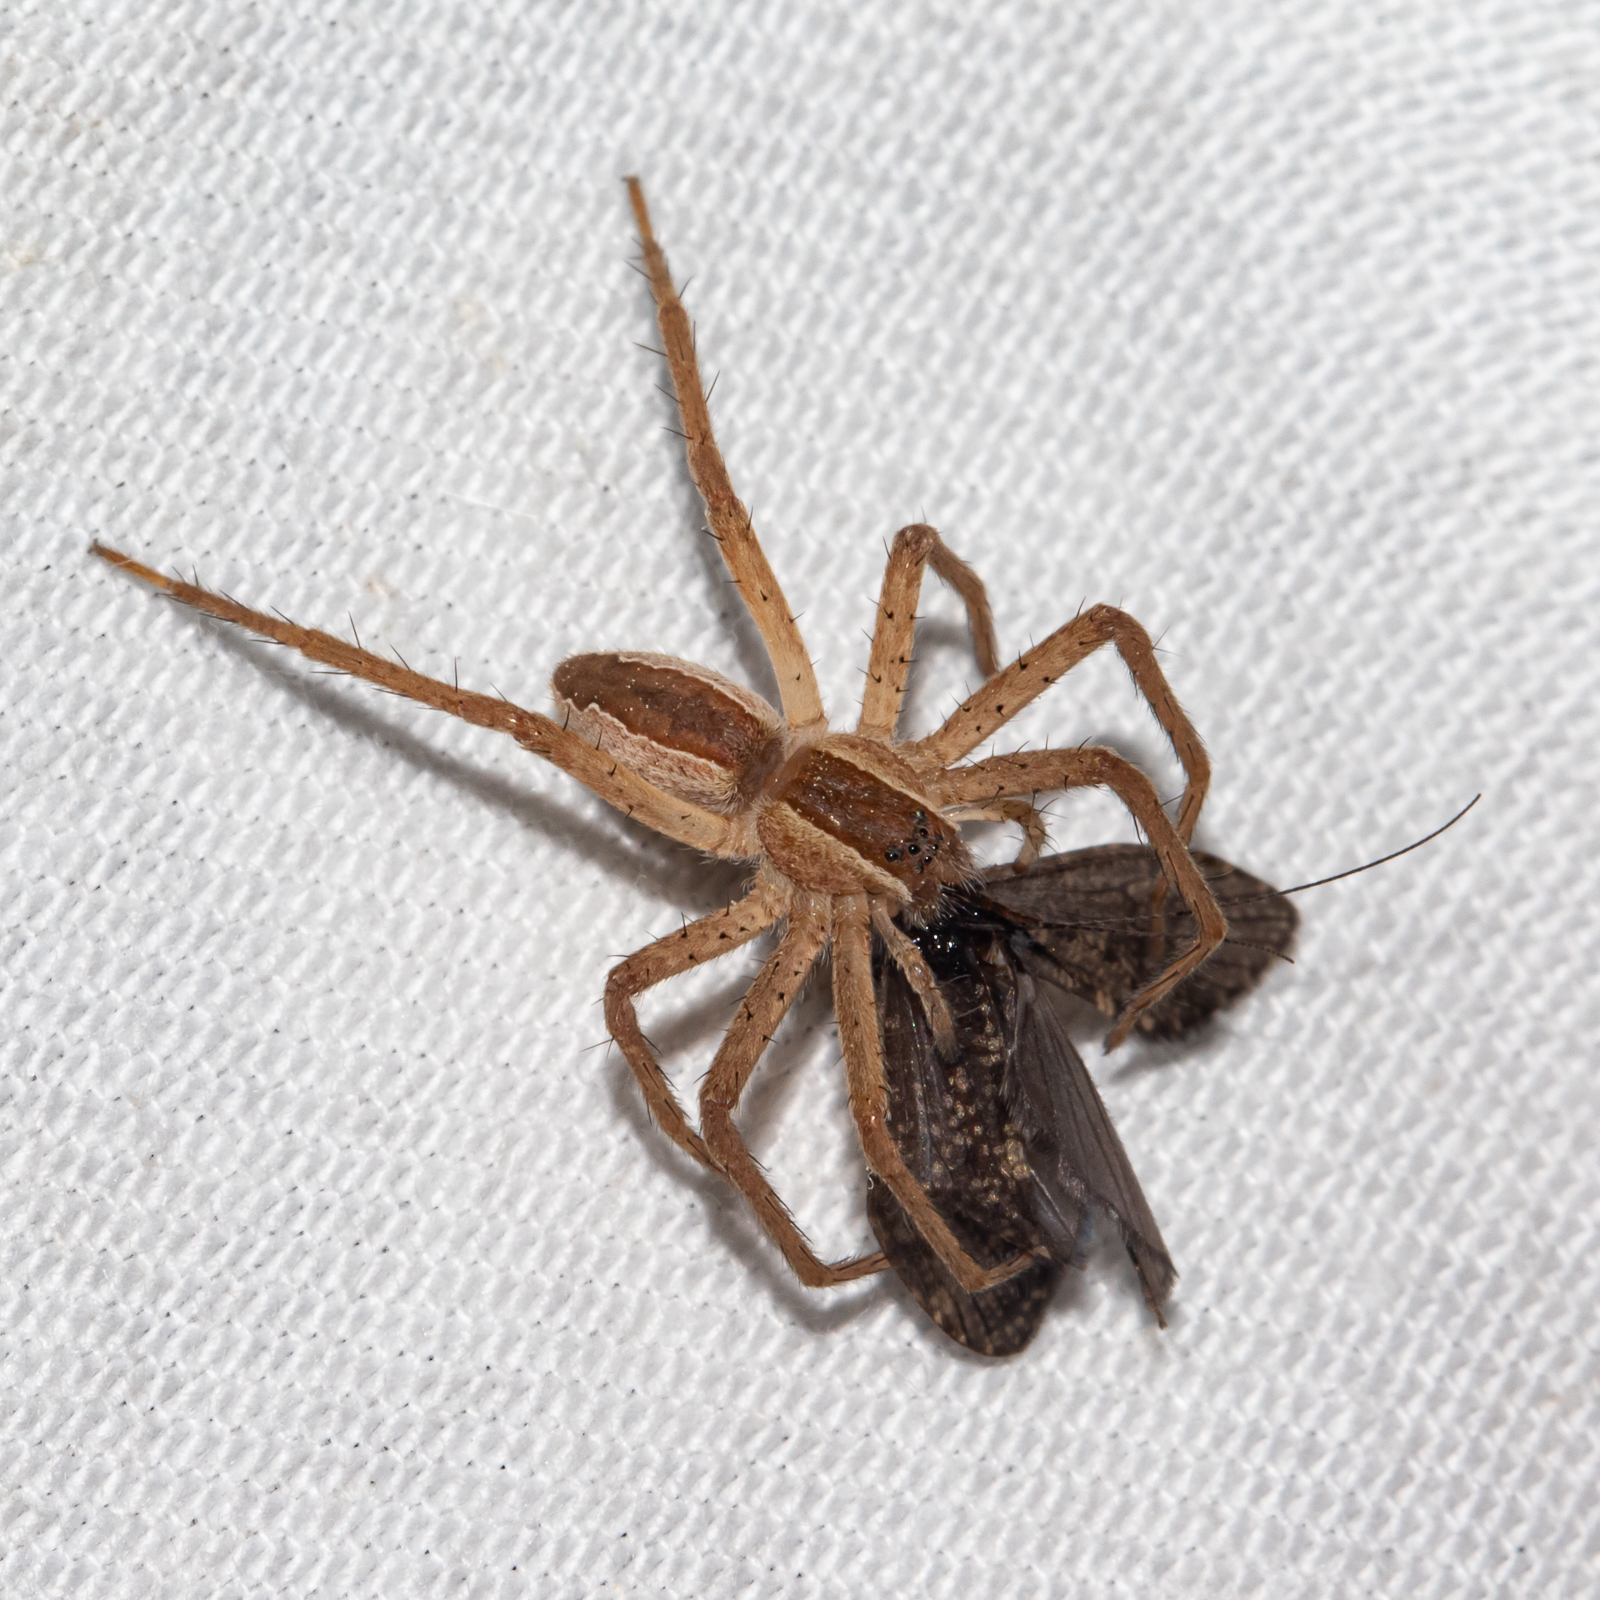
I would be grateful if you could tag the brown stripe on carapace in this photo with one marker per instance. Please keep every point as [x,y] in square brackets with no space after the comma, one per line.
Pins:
[890,828]
[672,705]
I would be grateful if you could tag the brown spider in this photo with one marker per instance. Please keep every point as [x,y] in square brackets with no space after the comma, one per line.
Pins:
[845,829]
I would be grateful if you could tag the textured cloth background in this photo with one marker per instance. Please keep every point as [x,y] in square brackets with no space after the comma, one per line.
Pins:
[339,1258]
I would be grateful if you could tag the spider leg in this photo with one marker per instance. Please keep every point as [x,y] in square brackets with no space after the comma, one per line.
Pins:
[905,955]
[856,1008]
[728,519]
[1027,817]
[596,771]
[1005,694]
[704,940]
[914,548]
[1034,770]
[762,1009]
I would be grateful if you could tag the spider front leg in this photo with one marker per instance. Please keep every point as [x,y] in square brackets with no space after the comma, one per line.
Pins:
[916,548]
[855,1005]
[1032,771]
[1005,694]
[764,1006]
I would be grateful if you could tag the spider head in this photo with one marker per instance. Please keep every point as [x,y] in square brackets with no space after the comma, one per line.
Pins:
[845,815]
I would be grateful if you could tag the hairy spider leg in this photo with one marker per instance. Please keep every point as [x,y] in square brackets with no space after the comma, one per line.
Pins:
[855,1005]
[905,955]
[1007,692]
[889,669]
[1033,770]
[914,548]
[599,773]
[704,940]
[725,513]
[1027,816]
[801,700]
[763,1007]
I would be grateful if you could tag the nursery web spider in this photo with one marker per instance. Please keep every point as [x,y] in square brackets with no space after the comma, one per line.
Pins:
[846,830]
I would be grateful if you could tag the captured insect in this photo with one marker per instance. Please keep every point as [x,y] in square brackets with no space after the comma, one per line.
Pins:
[999,1119]
[1006,1131]
[850,834]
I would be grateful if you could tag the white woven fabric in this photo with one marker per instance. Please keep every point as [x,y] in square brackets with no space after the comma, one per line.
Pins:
[336,1260]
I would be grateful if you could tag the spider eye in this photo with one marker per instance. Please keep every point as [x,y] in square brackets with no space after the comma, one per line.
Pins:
[892,855]
[915,849]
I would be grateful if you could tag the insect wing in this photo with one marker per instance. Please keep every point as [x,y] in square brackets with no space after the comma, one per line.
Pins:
[955,1131]
[1011,1138]
[1083,922]
[1076,1159]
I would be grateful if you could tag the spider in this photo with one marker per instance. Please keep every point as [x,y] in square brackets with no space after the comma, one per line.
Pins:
[845,829]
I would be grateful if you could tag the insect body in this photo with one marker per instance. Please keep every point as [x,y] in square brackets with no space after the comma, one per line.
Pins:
[1004,1127]
[845,830]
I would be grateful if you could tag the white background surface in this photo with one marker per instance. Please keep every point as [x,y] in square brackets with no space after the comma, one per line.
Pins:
[337,1261]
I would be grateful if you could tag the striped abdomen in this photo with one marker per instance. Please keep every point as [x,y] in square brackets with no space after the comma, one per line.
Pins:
[681,727]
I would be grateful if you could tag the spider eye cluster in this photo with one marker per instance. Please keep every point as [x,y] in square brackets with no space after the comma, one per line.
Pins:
[922,845]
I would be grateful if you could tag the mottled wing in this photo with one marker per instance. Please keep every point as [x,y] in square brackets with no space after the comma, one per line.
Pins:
[1011,1138]
[1077,1160]
[955,1131]
[1084,921]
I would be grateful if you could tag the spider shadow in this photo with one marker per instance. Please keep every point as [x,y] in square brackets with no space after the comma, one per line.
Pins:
[1160,1056]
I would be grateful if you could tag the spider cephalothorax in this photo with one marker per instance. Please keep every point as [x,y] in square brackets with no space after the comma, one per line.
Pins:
[847,830]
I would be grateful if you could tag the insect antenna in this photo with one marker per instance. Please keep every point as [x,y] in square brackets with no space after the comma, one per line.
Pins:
[1394,855]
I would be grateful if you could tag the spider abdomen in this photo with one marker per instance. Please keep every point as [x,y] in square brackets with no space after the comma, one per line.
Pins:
[693,732]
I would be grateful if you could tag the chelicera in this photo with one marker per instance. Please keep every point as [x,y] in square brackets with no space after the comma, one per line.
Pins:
[845,830]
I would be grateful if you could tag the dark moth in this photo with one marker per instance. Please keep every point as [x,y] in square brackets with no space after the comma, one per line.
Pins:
[1010,1136]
